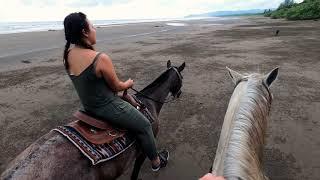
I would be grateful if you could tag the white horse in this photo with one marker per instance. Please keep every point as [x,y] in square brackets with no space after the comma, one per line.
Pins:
[240,149]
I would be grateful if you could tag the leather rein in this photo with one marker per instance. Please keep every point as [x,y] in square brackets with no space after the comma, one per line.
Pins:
[162,102]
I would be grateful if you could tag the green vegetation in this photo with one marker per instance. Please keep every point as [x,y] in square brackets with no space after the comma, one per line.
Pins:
[308,9]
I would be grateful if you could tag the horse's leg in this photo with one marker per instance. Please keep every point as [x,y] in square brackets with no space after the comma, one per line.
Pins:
[137,165]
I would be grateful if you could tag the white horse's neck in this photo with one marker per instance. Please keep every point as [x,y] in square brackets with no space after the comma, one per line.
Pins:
[241,140]
[233,107]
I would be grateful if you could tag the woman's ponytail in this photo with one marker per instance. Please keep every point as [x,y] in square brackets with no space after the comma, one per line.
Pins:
[65,55]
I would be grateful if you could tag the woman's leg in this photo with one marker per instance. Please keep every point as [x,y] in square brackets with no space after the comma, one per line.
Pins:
[124,115]
[143,130]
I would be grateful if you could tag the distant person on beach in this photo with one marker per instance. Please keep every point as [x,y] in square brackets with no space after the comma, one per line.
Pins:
[94,78]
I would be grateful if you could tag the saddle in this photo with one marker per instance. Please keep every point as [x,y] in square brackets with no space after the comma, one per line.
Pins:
[96,130]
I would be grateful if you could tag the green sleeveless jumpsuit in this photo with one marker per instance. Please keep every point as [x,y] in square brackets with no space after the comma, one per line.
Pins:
[98,99]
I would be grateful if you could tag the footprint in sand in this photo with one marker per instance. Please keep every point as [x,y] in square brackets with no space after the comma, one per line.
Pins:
[26,61]
[51,60]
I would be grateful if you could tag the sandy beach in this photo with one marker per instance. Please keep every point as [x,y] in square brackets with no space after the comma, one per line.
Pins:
[37,95]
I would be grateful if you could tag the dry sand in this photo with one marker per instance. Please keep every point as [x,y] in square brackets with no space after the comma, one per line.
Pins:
[36,94]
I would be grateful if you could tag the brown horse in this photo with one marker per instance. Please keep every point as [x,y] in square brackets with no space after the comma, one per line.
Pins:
[54,157]
[240,150]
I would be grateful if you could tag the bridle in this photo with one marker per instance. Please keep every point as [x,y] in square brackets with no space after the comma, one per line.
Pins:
[176,95]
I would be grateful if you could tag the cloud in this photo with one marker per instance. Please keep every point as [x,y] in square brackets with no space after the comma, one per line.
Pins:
[91,3]
[42,10]
[37,2]
[84,3]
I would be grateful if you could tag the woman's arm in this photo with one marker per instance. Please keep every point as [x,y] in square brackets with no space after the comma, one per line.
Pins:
[105,68]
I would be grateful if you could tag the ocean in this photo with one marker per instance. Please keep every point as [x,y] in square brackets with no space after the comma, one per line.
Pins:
[18,27]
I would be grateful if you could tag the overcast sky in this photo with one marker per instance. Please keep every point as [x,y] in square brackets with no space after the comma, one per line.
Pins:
[44,10]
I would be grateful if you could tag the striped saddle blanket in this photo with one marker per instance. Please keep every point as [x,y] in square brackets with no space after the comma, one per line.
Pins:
[100,152]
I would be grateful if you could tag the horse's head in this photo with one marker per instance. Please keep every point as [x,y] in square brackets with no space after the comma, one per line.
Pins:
[258,79]
[169,82]
[175,73]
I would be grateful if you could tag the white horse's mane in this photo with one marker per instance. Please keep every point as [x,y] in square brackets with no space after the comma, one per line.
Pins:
[240,150]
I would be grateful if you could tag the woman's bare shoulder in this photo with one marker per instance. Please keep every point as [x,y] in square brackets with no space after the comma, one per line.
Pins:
[104,56]
[103,59]
[80,59]
[103,64]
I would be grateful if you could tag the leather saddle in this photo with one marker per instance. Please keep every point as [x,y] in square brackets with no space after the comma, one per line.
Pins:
[96,130]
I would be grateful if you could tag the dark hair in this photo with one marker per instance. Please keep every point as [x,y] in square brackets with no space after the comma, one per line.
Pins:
[74,23]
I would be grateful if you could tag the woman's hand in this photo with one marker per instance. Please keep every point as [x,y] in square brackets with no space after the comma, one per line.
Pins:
[129,83]
[210,176]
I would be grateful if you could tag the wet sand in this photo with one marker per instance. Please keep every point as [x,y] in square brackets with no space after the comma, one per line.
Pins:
[36,94]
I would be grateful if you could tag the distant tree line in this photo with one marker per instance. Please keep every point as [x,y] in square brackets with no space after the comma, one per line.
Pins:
[308,9]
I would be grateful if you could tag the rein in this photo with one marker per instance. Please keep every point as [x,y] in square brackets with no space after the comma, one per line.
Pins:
[151,97]
[161,102]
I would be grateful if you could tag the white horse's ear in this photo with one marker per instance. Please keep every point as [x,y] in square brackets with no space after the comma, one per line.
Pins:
[271,76]
[168,64]
[235,76]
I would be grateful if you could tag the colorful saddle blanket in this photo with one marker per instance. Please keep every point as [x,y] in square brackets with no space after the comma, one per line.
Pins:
[100,152]
[97,153]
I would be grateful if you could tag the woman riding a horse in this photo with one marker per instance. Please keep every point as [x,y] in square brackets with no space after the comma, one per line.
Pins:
[93,76]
